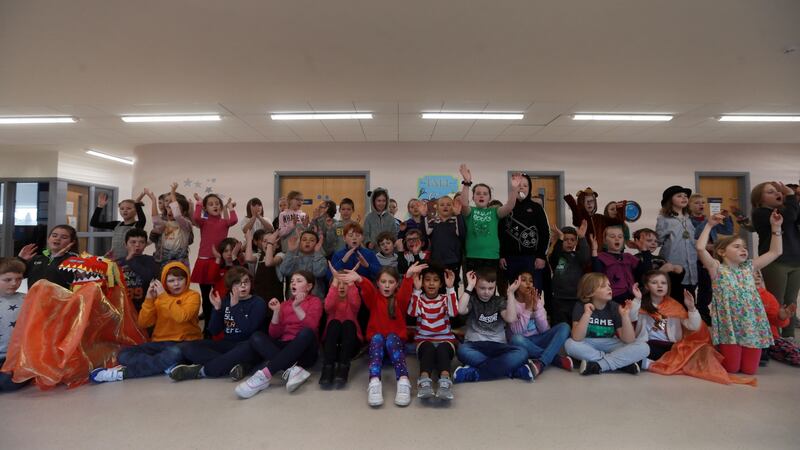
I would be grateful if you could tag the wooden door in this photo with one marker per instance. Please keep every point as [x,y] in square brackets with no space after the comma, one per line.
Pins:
[726,188]
[318,188]
[546,187]
[77,211]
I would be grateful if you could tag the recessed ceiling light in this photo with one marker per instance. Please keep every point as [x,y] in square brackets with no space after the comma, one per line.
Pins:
[625,117]
[127,161]
[321,116]
[168,118]
[37,119]
[472,116]
[767,118]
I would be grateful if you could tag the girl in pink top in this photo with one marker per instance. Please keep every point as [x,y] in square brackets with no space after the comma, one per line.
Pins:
[342,335]
[213,229]
[291,345]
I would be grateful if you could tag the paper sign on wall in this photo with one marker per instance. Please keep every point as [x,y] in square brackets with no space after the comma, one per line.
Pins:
[435,186]
[714,205]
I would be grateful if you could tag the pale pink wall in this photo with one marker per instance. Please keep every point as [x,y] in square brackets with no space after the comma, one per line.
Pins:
[617,171]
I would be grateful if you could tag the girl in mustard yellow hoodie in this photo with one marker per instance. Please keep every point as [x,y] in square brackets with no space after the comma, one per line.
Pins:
[172,308]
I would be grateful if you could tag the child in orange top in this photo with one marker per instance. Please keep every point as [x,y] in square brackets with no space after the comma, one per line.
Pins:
[172,308]
[779,316]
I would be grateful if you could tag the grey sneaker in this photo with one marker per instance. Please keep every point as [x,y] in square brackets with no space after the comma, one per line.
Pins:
[424,388]
[185,372]
[445,390]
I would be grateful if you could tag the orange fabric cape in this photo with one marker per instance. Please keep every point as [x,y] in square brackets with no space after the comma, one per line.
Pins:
[61,335]
[694,355]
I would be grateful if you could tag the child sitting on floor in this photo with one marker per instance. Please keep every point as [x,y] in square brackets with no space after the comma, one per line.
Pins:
[617,265]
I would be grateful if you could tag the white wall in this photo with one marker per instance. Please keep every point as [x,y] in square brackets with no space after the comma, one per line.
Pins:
[89,169]
[617,171]
[28,164]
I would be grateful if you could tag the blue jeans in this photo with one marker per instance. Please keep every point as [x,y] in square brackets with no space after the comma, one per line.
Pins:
[149,359]
[543,346]
[492,359]
[610,353]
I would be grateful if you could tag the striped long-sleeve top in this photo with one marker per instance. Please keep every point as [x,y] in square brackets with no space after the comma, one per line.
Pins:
[433,316]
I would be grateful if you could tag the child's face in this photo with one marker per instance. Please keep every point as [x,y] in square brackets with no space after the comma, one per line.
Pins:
[345,211]
[175,284]
[485,289]
[735,253]
[127,211]
[242,287]
[58,239]
[526,283]
[698,206]
[680,200]
[341,289]
[387,285]
[299,285]
[227,253]
[590,204]
[10,283]
[771,197]
[213,206]
[387,247]
[612,210]
[295,203]
[413,208]
[445,207]
[614,240]
[431,283]
[264,242]
[657,286]
[392,208]
[354,239]
[256,210]
[570,243]
[162,203]
[481,197]
[136,245]
[380,203]
[524,188]
[307,243]
[282,204]
[413,243]
[603,293]
[647,242]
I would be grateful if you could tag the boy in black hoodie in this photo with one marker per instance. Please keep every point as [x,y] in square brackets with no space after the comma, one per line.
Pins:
[524,237]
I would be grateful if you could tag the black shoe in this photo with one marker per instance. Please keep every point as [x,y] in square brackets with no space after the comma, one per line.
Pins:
[632,369]
[589,368]
[342,372]
[185,372]
[237,372]
[326,379]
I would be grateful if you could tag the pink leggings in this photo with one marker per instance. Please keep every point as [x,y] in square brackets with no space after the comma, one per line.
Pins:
[740,359]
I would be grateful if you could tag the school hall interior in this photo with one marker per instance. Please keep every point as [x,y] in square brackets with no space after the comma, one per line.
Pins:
[247,98]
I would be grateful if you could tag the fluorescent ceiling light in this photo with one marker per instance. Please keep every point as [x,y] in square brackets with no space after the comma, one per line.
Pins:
[626,117]
[165,118]
[321,116]
[473,116]
[759,118]
[36,119]
[127,161]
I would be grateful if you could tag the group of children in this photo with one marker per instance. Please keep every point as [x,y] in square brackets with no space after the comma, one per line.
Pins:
[393,286]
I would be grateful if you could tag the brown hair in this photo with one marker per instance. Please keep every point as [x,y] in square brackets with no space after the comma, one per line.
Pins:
[588,284]
[73,236]
[353,226]
[758,191]
[486,274]
[293,195]
[255,201]
[127,200]
[385,235]
[392,272]
[643,232]
[722,244]
[309,277]
[235,275]
[11,265]
[647,300]
[176,272]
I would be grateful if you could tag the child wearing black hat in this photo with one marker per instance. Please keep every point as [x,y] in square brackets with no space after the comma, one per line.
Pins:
[676,234]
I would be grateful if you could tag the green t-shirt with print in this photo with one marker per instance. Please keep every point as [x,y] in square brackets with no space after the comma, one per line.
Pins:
[482,236]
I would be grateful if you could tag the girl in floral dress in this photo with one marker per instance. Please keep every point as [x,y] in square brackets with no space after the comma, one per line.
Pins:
[740,324]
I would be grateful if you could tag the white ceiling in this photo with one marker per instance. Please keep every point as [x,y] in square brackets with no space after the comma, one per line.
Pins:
[98,59]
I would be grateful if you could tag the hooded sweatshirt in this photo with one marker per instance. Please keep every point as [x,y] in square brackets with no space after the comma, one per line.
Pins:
[377,222]
[174,316]
[525,232]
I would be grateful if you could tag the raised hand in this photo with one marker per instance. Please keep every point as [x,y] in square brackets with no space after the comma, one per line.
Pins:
[158,288]
[637,293]
[274,305]
[688,300]
[716,219]
[152,291]
[197,197]
[515,285]
[588,308]
[516,181]
[539,264]
[64,250]
[449,278]
[215,299]
[415,268]
[593,244]
[472,280]
[503,264]
[776,219]
[625,308]
[102,200]
[320,240]
[362,261]
[293,242]
[466,175]
[28,252]
[417,281]
[783,188]
[581,229]
[349,276]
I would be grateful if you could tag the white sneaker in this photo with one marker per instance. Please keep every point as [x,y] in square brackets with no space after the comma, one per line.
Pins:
[253,385]
[103,375]
[375,393]
[295,376]
[403,397]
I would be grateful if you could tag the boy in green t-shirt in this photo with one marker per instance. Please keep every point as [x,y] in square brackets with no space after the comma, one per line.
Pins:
[482,240]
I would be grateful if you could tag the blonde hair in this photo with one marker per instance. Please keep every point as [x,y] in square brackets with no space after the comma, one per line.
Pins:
[293,195]
[588,284]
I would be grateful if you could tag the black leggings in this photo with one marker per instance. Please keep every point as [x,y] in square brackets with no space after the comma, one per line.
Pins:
[658,348]
[438,356]
[218,357]
[205,291]
[341,342]
[284,354]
